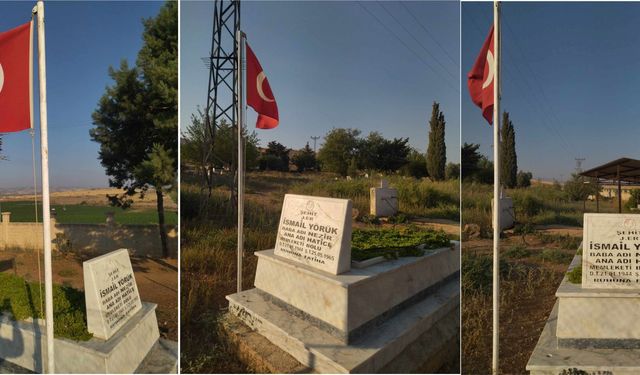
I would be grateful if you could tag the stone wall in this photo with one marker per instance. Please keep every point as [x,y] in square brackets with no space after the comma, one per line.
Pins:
[92,239]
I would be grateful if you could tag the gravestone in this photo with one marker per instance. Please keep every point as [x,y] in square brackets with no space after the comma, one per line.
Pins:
[111,293]
[316,231]
[611,252]
[594,325]
[507,213]
[383,200]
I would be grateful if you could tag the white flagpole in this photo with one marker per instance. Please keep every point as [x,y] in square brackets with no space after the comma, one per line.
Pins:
[46,218]
[496,188]
[240,119]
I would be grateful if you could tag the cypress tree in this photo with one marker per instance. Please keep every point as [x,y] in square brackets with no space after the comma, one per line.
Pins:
[436,150]
[508,157]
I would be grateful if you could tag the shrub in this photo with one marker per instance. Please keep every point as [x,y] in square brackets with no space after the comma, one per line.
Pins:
[517,252]
[555,256]
[575,275]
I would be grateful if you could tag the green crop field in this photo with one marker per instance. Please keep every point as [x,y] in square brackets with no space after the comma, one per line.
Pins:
[24,211]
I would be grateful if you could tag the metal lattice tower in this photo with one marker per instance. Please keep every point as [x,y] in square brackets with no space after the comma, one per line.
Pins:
[222,93]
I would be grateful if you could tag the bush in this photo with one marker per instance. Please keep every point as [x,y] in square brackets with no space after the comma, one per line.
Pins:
[527,205]
[477,272]
[555,256]
[22,300]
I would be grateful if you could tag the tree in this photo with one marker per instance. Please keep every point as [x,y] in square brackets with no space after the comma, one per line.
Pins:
[437,150]
[470,157]
[524,179]
[452,171]
[136,122]
[579,188]
[278,150]
[340,146]
[415,165]
[508,158]
[305,159]
[378,153]
[196,145]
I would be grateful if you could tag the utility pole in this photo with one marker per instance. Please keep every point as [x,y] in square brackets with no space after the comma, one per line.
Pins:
[222,62]
[315,138]
[579,164]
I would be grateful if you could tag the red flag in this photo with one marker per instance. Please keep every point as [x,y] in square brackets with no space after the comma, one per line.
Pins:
[259,95]
[480,78]
[16,110]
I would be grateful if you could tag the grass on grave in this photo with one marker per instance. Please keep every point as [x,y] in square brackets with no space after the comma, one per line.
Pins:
[392,243]
[22,299]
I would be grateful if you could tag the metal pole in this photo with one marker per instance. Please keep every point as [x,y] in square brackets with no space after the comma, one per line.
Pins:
[496,189]
[619,190]
[240,118]
[46,212]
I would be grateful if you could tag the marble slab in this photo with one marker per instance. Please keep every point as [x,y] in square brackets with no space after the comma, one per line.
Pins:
[611,251]
[315,348]
[549,359]
[315,231]
[346,302]
[111,293]
[597,318]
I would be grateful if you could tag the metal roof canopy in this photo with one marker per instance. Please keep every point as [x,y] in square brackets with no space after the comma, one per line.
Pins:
[621,170]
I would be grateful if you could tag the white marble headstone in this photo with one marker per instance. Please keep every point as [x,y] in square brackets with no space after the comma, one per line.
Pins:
[611,251]
[111,293]
[316,231]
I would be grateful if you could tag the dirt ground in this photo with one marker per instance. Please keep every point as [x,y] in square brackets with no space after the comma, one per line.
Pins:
[95,196]
[526,302]
[157,280]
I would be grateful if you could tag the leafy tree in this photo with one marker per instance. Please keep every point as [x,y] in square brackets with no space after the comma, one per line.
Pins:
[340,146]
[436,151]
[378,153]
[452,171]
[508,157]
[196,145]
[524,179]
[136,122]
[278,150]
[470,157]
[579,188]
[415,165]
[269,162]
[305,159]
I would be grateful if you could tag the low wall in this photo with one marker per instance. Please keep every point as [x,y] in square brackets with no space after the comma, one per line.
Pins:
[93,239]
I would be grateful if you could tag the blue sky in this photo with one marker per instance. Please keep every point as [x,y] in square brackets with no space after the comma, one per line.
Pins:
[569,81]
[83,40]
[332,64]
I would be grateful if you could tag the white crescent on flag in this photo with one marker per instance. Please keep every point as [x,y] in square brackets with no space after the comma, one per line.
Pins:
[489,79]
[1,77]
[259,81]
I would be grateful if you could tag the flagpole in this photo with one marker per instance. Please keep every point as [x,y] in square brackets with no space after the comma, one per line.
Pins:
[46,213]
[496,189]
[240,119]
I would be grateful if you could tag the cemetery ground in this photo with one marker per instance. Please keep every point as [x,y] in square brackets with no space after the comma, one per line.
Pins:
[535,256]
[208,244]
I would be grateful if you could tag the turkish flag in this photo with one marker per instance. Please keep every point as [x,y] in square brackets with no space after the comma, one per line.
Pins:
[16,72]
[481,77]
[259,95]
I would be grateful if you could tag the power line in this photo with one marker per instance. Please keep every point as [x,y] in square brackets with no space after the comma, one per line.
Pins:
[428,33]
[407,46]
[416,39]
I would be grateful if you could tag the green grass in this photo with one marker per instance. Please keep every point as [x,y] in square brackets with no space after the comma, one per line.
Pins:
[396,242]
[23,211]
[22,300]
[575,275]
